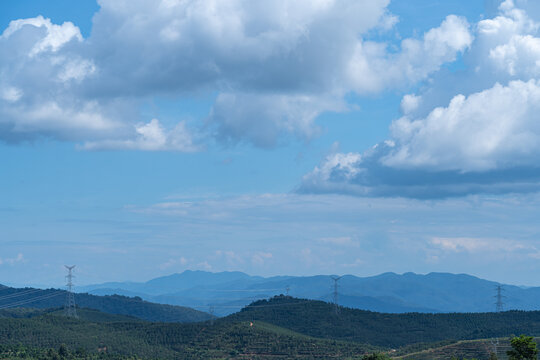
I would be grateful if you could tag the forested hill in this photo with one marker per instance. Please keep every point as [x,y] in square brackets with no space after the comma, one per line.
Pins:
[115,304]
[112,339]
[319,319]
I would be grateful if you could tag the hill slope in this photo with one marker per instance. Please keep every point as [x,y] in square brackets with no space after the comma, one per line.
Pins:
[114,304]
[282,328]
[318,319]
[232,340]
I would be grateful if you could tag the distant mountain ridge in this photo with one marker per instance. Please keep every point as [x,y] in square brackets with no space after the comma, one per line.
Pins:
[227,292]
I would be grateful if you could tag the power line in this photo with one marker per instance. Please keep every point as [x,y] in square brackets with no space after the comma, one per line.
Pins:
[70,297]
[20,293]
[28,301]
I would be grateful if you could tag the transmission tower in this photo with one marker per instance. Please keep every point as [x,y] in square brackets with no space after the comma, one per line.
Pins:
[336,304]
[287,289]
[70,298]
[499,304]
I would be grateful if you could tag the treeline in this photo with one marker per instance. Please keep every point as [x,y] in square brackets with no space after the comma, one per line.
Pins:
[61,353]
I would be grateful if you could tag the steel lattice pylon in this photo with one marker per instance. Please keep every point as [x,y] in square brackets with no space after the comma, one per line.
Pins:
[70,297]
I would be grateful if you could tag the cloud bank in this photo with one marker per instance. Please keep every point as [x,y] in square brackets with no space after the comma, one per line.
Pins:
[486,141]
[275,67]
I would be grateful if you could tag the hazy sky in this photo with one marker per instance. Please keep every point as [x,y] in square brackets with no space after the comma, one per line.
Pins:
[141,138]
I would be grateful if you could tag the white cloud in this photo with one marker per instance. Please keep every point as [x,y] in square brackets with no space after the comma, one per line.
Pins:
[276,66]
[372,68]
[11,94]
[339,164]
[278,45]
[484,138]
[56,36]
[46,70]
[39,64]
[520,56]
[150,137]
[409,103]
[494,129]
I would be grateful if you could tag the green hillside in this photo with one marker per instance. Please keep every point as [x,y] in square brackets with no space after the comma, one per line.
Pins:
[113,304]
[318,319]
[82,313]
[279,328]
[237,340]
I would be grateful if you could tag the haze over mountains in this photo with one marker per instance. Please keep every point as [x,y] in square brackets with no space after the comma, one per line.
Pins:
[228,292]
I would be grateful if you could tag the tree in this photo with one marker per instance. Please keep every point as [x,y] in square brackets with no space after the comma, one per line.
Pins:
[63,351]
[523,348]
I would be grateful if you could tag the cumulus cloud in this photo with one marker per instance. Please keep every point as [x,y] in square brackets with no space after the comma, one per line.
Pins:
[373,68]
[41,94]
[189,45]
[486,141]
[275,67]
[494,129]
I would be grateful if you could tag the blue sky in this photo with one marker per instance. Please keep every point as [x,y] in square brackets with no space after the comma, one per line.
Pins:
[142,138]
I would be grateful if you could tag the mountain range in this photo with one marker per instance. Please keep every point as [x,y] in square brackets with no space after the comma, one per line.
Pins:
[224,293]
